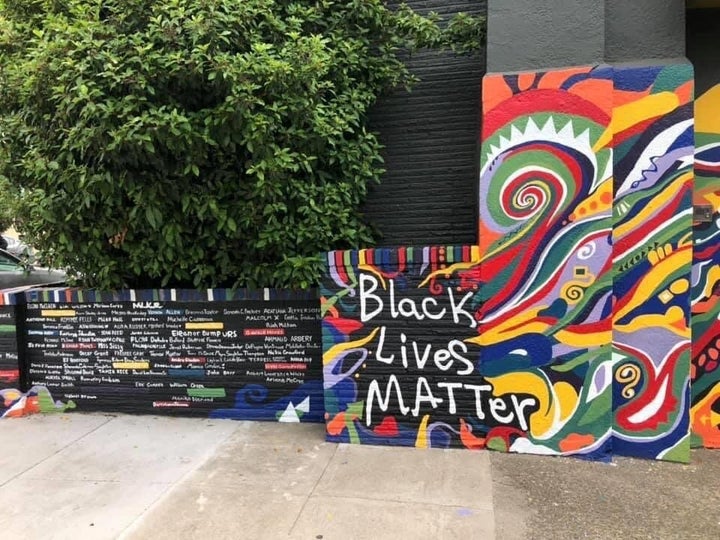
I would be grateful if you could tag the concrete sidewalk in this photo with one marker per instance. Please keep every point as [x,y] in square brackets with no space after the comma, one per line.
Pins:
[136,477]
[140,477]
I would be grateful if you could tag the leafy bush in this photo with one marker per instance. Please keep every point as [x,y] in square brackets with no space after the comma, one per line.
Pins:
[199,142]
[7,205]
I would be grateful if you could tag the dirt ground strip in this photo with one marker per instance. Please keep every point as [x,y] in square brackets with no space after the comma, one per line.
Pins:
[561,498]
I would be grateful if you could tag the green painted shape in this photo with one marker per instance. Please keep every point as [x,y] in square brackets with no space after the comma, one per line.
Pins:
[672,77]
[598,288]
[347,261]
[329,303]
[298,413]
[332,405]
[599,407]
[332,299]
[48,405]
[354,410]
[593,417]
[206,392]
[509,167]
[680,453]
[496,443]
[696,441]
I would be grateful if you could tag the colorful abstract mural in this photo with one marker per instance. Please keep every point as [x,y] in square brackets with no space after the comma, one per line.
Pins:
[14,403]
[544,232]
[704,371]
[652,252]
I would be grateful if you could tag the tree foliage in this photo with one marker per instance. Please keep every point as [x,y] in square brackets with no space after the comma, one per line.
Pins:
[200,142]
[8,199]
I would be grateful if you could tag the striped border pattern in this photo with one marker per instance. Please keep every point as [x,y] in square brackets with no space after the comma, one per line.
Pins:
[85,296]
[434,256]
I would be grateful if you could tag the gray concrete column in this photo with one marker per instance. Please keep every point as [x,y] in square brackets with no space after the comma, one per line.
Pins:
[640,29]
[540,34]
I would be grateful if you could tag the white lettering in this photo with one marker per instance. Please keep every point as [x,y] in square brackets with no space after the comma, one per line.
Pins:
[497,407]
[367,294]
[407,308]
[421,361]
[383,403]
[381,342]
[469,367]
[520,409]
[427,397]
[478,388]
[451,386]
[457,309]
[434,316]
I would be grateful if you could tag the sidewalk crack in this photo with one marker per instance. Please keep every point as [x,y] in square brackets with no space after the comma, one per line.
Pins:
[312,491]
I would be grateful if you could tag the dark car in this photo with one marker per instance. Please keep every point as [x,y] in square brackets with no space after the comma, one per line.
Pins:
[15,273]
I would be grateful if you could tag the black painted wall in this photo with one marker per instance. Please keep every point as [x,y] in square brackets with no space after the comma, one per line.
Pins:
[244,355]
[429,193]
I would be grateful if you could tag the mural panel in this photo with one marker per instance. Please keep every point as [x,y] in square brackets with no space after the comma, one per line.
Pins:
[545,228]
[653,177]
[704,372]
[397,365]
[250,355]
